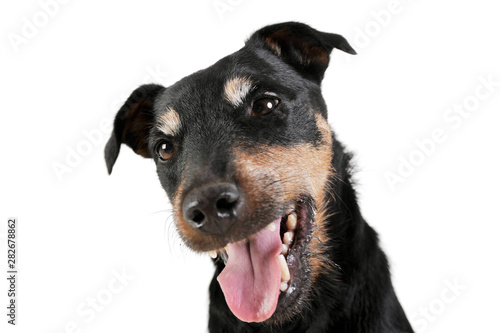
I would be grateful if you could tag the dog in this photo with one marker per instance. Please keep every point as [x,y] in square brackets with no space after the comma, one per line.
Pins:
[258,180]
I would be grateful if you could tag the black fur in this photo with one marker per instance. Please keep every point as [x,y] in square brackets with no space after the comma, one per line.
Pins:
[355,294]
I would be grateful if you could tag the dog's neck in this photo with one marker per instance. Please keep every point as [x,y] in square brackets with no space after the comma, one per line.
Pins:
[358,263]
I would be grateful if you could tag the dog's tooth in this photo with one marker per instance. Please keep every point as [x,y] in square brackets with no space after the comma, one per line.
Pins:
[224,257]
[271,226]
[291,222]
[284,286]
[284,249]
[285,273]
[212,254]
[288,238]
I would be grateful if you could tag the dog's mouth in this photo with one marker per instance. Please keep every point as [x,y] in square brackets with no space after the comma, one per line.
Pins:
[266,272]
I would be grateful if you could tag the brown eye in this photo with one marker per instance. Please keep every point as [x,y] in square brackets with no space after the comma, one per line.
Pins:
[165,150]
[263,106]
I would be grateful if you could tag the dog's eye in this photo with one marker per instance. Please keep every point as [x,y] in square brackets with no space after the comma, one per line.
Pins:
[263,106]
[165,150]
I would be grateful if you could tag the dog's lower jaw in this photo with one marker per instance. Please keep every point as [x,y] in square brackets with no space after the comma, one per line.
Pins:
[337,301]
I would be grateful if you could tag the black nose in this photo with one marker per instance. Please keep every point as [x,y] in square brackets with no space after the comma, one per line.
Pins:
[212,208]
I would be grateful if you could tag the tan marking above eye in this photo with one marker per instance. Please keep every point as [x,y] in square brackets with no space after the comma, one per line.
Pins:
[170,122]
[236,89]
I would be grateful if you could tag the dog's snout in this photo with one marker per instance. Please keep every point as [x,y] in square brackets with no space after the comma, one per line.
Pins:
[212,208]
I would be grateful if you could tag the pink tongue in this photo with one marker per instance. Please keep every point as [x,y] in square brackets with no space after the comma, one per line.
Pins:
[252,276]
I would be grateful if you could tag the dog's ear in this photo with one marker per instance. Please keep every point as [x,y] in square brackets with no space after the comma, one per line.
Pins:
[132,124]
[306,49]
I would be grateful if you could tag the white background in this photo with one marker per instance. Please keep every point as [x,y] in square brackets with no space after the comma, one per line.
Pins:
[438,227]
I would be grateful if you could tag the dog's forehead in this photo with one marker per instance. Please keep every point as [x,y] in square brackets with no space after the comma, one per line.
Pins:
[202,88]
[205,90]
[222,88]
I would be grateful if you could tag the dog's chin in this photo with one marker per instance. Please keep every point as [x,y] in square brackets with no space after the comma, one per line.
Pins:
[295,232]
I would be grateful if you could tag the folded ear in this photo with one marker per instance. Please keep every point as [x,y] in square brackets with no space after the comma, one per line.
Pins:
[306,49]
[132,124]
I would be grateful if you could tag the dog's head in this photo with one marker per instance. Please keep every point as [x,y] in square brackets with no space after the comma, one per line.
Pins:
[243,150]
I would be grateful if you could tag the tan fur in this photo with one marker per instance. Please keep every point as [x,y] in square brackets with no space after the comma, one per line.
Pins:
[274,46]
[170,122]
[317,244]
[236,89]
[288,173]
[307,52]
